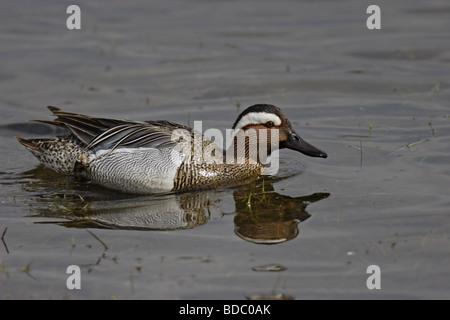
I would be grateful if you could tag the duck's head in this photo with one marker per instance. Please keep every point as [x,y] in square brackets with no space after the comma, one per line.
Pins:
[266,116]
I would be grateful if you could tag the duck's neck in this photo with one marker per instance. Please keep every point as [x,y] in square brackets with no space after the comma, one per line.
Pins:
[252,146]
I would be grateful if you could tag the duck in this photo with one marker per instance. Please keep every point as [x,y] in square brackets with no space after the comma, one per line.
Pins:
[159,156]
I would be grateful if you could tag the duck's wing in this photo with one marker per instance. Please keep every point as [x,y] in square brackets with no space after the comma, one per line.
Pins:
[84,128]
[149,134]
[109,134]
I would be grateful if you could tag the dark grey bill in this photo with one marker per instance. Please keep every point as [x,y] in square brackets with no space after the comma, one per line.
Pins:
[296,143]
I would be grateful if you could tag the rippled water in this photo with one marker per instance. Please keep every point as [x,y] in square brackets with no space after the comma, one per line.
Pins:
[376,101]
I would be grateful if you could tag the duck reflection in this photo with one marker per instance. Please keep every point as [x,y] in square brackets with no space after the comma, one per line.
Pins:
[168,212]
[267,217]
[262,215]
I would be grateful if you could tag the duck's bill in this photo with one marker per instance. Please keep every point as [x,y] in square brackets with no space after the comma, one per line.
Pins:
[296,143]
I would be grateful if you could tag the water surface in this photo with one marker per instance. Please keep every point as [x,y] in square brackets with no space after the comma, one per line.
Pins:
[375,101]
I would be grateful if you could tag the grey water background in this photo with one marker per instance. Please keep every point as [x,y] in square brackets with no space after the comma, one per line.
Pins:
[377,101]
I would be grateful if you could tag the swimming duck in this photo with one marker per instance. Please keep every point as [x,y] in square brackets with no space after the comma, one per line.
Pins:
[147,157]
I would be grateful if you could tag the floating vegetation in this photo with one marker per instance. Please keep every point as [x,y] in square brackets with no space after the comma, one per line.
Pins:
[3,239]
[431,127]
[436,88]
[4,269]
[27,268]
[269,296]
[360,152]
[98,239]
[412,144]
[270,268]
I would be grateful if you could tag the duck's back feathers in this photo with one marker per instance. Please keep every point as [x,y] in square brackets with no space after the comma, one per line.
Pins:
[108,134]
[85,128]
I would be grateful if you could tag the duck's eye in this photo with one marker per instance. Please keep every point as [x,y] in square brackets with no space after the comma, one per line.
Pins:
[269,124]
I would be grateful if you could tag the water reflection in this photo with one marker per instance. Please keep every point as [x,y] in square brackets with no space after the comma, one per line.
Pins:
[262,215]
[166,212]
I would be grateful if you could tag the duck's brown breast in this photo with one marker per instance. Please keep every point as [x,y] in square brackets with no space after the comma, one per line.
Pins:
[203,176]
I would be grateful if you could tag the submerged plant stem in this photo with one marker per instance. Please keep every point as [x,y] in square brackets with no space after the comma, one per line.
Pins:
[361,153]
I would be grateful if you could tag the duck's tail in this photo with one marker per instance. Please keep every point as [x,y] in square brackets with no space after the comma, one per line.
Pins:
[59,154]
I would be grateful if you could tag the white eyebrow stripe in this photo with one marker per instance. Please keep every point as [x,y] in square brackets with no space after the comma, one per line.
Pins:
[258,118]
